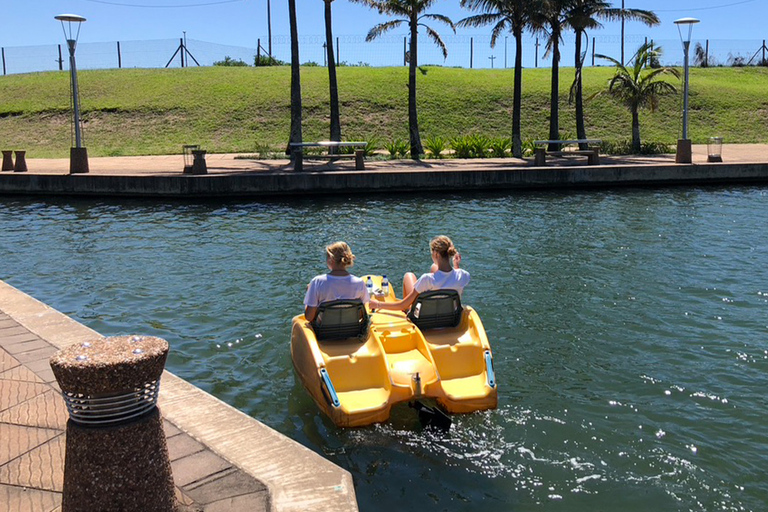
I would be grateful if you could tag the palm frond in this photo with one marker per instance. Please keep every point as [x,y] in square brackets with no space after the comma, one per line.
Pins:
[435,37]
[382,28]
[441,18]
[479,20]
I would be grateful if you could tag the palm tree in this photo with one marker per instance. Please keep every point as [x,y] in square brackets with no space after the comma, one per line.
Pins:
[640,85]
[581,16]
[413,12]
[551,20]
[295,79]
[515,16]
[333,85]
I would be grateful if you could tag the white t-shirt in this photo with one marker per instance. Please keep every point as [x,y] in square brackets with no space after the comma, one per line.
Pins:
[325,288]
[456,279]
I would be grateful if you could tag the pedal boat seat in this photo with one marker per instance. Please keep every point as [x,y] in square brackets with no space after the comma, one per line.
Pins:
[435,309]
[340,319]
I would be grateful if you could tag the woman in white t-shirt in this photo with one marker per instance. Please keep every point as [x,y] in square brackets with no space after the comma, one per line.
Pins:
[335,285]
[440,277]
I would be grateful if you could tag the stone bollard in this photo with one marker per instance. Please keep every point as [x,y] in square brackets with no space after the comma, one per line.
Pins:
[198,162]
[21,162]
[116,454]
[7,160]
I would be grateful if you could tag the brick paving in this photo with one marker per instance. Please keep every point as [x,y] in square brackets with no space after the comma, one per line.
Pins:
[33,421]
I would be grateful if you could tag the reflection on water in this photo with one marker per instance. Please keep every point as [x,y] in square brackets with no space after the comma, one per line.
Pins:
[628,328]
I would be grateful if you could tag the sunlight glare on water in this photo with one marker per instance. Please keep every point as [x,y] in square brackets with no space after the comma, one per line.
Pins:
[628,327]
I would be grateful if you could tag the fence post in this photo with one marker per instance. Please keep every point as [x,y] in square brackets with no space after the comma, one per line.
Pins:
[119,57]
[258,51]
[763,63]
[338,59]
[405,51]
[471,51]
[61,61]
[593,52]
[183,49]
[3,51]
[505,52]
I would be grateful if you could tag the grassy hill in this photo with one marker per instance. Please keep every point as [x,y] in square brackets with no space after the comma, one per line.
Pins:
[236,109]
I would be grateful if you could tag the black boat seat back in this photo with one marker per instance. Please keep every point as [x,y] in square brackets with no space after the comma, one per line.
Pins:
[436,308]
[340,319]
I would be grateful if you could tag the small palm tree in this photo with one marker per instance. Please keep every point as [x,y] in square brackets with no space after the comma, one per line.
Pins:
[640,85]
[413,12]
[515,16]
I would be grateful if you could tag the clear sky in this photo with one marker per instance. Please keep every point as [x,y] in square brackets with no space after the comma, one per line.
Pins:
[242,22]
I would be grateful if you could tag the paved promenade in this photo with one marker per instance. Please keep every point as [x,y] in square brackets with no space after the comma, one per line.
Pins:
[229,175]
[222,460]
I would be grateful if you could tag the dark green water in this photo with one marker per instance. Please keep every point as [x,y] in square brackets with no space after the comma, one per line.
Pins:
[630,332]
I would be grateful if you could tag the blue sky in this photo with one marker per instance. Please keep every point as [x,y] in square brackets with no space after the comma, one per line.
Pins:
[242,22]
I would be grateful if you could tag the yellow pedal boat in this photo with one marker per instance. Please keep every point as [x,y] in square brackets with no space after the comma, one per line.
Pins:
[357,364]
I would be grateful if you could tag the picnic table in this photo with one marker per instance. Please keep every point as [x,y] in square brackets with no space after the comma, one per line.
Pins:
[297,151]
[592,153]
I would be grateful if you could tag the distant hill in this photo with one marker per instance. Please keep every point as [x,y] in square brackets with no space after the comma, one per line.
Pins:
[239,109]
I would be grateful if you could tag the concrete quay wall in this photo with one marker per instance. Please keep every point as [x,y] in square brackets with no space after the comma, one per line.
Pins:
[412,178]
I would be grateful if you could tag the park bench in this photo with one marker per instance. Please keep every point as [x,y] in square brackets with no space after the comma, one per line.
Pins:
[592,154]
[298,152]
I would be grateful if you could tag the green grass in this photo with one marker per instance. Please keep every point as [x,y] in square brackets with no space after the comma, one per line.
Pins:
[238,109]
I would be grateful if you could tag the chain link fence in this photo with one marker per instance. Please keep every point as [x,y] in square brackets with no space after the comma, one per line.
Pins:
[464,51]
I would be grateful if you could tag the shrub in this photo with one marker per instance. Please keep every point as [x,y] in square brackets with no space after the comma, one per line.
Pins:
[266,60]
[229,61]
[624,147]
[435,146]
[529,147]
[461,147]
[397,148]
[500,146]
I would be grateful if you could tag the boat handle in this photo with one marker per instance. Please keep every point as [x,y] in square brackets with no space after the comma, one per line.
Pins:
[489,369]
[329,387]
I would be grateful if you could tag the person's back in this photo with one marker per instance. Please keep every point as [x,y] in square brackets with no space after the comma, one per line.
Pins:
[442,275]
[338,284]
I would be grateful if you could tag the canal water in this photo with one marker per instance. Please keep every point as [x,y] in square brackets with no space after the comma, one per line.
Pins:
[629,328]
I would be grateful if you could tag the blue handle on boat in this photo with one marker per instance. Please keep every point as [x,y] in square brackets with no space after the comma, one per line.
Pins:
[329,386]
[489,369]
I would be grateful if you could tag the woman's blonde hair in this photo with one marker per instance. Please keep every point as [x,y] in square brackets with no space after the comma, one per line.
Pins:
[443,246]
[340,252]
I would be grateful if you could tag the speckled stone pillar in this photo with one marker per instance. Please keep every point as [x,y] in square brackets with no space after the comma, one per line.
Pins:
[116,454]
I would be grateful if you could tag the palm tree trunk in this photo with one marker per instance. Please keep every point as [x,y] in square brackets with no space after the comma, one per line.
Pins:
[554,95]
[334,88]
[517,94]
[295,78]
[413,119]
[581,132]
[636,146]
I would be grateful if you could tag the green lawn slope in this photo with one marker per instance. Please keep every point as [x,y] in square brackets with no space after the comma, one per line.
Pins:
[237,109]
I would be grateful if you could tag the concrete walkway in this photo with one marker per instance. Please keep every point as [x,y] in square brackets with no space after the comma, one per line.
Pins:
[231,175]
[238,163]
[222,460]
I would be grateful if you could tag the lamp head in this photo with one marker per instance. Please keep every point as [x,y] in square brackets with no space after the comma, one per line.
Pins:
[69,19]
[686,22]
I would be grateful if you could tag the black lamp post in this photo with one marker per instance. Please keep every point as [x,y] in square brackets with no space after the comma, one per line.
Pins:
[78,155]
[684,152]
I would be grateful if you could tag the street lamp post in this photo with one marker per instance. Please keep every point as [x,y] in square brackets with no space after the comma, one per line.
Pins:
[78,155]
[684,153]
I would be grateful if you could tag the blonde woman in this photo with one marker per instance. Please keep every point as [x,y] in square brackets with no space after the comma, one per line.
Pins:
[335,285]
[441,276]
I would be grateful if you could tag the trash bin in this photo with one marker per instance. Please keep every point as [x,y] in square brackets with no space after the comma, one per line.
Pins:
[187,150]
[714,149]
